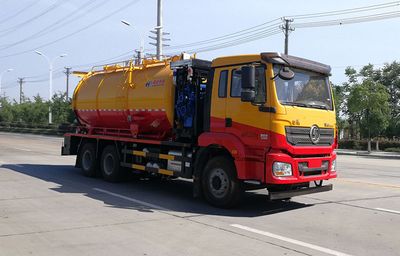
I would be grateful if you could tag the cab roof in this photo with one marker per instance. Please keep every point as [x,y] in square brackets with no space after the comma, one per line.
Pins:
[235,60]
[273,57]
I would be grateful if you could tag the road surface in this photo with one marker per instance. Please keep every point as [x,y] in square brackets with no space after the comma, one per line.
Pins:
[48,208]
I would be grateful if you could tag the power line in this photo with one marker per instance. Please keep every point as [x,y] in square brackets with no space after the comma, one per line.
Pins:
[125,54]
[13,15]
[57,75]
[45,74]
[360,65]
[357,19]
[28,21]
[231,35]
[256,36]
[346,11]
[262,31]
[353,20]
[236,41]
[250,31]
[62,22]
[45,30]
[241,38]
[8,87]
[102,19]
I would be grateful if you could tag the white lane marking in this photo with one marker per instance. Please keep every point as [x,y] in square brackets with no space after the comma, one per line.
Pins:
[387,210]
[132,199]
[23,149]
[290,240]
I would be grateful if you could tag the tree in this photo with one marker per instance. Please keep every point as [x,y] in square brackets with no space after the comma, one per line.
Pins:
[339,96]
[62,110]
[368,101]
[35,112]
[352,118]
[39,110]
[5,110]
[390,78]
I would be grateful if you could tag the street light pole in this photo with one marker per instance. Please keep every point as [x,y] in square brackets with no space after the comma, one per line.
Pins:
[1,76]
[141,47]
[50,62]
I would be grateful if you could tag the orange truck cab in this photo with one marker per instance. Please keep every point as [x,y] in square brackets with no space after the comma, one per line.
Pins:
[234,124]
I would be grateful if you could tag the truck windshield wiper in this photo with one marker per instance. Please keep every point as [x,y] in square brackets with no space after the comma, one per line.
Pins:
[317,106]
[297,104]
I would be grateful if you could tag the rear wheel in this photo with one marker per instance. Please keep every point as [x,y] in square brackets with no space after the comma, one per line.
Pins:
[88,161]
[221,187]
[111,169]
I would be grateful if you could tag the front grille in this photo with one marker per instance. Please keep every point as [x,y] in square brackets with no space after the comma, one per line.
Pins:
[300,136]
[304,170]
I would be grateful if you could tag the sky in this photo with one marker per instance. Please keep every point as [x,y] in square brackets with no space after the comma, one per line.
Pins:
[90,32]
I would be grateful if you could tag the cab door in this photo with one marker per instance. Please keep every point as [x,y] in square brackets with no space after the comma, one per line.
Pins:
[218,100]
[244,119]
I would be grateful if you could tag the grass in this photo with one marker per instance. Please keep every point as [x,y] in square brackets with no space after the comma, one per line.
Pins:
[392,150]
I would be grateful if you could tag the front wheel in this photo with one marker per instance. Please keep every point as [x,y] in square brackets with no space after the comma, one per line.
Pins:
[221,187]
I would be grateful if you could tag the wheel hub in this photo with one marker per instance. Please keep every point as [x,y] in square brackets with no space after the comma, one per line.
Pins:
[108,164]
[218,183]
[86,160]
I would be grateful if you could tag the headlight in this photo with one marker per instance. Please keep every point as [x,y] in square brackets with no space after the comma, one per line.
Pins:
[333,166]
[281,169]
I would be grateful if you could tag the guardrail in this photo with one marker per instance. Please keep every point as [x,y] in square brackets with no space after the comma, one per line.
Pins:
[43,129]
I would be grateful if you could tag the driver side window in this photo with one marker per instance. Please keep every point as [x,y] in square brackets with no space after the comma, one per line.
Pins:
[236,83]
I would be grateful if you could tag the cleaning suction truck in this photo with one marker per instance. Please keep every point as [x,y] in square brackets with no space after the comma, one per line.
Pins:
[237,123]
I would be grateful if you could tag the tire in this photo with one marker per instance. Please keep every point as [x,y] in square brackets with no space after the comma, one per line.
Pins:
[221,187]
[110,167]
[88,160]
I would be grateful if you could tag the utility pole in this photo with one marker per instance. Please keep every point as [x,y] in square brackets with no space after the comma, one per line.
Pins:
[159,33]
[286,28]
[20,81]
[139,56]
[67,72]
[159,29]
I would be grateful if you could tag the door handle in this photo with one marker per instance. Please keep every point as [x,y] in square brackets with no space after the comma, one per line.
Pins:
[228,122]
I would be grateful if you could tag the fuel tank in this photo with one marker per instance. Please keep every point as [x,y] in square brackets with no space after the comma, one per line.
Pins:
[138,99]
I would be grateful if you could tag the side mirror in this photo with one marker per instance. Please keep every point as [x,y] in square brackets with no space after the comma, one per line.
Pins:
[248,93]
[285,73]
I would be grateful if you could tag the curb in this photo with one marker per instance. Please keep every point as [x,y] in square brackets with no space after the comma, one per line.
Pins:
[368,155]
[36,131]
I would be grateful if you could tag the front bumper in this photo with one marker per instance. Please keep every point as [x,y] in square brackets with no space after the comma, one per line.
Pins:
[298,192]
[300,174]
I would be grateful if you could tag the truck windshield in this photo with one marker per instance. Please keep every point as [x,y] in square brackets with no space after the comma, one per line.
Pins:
[307,89]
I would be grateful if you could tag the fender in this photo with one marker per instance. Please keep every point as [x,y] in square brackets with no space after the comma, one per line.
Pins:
[229,141]
[245,168]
